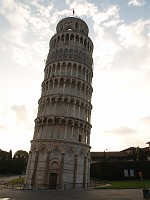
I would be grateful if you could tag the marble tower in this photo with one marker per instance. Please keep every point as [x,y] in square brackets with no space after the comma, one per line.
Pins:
[60,150]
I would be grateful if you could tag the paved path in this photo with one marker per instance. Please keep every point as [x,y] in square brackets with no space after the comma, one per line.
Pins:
[102,194]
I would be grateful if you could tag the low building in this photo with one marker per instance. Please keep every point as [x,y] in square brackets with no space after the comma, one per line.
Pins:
[129,154]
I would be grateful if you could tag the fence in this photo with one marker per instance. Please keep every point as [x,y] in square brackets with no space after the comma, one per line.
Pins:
[64,186]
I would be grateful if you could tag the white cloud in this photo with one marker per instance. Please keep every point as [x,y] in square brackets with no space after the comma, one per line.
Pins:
[17,15]
[146,120]
[29,31]
[2,127]
[17,124]
[82,7]
[136,3]
[105,48]
[17,116]
[134,34]
[122,131]
[21,113]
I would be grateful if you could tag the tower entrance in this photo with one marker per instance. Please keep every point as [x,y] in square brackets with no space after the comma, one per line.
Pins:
[53,181]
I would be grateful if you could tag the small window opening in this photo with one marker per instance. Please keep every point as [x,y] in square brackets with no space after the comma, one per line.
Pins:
[68,28]
[80,138]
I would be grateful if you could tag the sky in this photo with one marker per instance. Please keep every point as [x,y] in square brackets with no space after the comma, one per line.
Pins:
[120,31]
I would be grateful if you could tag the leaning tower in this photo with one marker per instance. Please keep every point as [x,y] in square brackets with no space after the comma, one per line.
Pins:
[60,150]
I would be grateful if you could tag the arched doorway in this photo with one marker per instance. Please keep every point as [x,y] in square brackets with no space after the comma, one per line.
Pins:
[53,181]
[53,178]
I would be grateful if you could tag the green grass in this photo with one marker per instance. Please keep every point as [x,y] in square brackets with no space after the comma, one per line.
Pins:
[16,181]
[127,185]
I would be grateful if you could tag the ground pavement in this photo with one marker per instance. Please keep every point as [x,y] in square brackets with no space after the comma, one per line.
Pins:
[90,194]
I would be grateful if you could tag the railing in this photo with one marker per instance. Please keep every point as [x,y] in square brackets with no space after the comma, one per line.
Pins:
[64,186]
[17,186]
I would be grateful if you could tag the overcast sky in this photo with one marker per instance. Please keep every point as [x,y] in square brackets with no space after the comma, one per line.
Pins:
[120,31]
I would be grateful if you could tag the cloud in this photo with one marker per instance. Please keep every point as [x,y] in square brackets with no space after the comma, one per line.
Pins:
[2,127]
[103,22]
[146,120]
[21,113]
[131,48]
[33,24]
[120,44]
[17,118]
[122,130]
[31,27]
[82,7]
[24,117]
[136,3]
[134,34]
[17,16]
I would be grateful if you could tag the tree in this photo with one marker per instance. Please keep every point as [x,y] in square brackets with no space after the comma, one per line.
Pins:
[20,160]
[138,154]
[5,162]
[141,154]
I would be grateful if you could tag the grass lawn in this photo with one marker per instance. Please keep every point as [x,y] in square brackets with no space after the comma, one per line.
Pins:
[16,181]
[126,185]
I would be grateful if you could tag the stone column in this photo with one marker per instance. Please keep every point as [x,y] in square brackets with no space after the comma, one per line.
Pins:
[52,129]
[79,110]
[84,92]
[74,105]
[77,71]
[64,85]
[60,70]
[46,169]
[55,70]
[50,103]
[85,75]
[56,100]
[75,88]
[68,106]
[88,115]
[66,125]
[71,69]
[61,171]
[88,137]
[88,173]
[44,109]
[51,71]
[66,69]
[75,171]
[72,131]
[70,84]
[85,172]
[34,168]
[46,129]
[59,126]
[27,170]
[53,83]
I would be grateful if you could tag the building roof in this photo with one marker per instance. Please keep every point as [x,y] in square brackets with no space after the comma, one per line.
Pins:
[123,153]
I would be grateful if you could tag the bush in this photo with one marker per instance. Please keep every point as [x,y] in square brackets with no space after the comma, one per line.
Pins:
[109,170]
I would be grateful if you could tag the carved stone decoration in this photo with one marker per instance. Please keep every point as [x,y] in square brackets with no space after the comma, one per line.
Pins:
[70,152]
[54,165]
[56,151]
[43,149]
[81,153]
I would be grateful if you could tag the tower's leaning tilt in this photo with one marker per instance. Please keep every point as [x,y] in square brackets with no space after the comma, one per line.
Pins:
[60,150]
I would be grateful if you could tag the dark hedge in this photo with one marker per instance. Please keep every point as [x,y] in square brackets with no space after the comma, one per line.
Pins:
[109,170]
